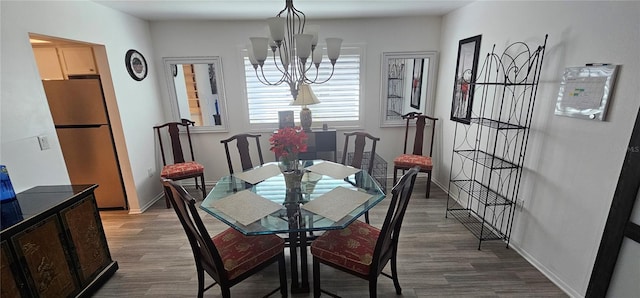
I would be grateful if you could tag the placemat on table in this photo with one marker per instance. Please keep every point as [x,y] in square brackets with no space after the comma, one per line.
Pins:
[333,169]
[246,207]
[259,174]
[337,203]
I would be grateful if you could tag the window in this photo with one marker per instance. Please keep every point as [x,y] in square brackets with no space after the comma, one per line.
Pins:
[339,97]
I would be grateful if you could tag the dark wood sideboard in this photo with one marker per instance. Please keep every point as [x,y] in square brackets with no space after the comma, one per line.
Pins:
[59,248]
[321,144]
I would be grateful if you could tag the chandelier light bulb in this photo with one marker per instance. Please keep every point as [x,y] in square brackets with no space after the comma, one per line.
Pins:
[317,56]
[333,48]
[260,47]
[303,45]
[276,27]
[252,57]
[313,30]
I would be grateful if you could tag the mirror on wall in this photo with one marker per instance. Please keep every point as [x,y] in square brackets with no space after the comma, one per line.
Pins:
[408,83]
[196,91]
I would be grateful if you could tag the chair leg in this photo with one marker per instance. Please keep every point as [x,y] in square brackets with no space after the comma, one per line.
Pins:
[166,200]
[373,287]
[204,189]
[395,175]
[316,278]
[366,217]
[200,282]
[428,185]
[282,270]
[394,275]
[226,292]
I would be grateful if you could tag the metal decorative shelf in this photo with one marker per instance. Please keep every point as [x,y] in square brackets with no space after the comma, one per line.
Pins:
[488,152]
[395,95]
[496,124]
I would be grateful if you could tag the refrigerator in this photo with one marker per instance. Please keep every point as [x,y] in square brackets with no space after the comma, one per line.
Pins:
[80,116]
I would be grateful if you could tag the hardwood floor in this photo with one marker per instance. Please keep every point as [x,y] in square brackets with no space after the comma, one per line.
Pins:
[437,257]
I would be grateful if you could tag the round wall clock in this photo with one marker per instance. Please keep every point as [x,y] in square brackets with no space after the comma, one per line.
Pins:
[136,65]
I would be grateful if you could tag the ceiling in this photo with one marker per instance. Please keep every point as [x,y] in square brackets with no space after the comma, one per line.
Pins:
[156,10]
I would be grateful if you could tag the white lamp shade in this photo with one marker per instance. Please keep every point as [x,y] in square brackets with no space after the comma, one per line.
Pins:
[252,57]
[260,47]
[333,47]
[276,27]
[305,96]
[317,55]
[313,30]
[303,45]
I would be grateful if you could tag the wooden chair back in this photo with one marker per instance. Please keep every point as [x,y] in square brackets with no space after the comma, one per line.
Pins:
[205,253]
[359,150]
[242,143]
[172,130]
[387,243]
[418,138]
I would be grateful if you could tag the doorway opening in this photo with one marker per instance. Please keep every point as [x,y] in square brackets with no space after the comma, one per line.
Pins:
[78,86]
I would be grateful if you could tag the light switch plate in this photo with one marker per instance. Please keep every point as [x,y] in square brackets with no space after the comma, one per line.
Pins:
[44,142]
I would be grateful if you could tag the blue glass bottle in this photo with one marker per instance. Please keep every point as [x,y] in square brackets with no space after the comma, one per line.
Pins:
[10,212]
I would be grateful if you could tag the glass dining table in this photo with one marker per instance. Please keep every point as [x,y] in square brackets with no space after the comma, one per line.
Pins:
[291,213]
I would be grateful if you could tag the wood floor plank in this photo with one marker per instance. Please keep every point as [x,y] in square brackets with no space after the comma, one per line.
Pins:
[438,257]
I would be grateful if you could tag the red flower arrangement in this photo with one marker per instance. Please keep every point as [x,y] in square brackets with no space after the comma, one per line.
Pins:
[288,141]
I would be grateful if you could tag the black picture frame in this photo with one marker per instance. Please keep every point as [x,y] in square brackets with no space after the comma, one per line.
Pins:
[416,83]
[285,119]
[136,65]
[464,81]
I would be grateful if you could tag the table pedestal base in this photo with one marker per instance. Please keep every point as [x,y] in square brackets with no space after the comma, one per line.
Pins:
[298,246]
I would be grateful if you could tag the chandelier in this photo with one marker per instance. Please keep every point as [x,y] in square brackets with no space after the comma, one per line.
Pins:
[291,46]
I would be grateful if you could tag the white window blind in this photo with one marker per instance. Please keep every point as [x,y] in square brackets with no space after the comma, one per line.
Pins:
[339,97]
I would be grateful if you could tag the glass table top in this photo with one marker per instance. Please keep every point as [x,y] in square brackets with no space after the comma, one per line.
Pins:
[291,217]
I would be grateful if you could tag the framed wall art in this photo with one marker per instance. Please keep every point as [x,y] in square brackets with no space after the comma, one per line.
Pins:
[285,119]
[416,83]
[463,86]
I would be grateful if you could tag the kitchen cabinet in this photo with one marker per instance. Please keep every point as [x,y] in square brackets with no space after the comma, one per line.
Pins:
[78,60]
[59,248]
[48,63]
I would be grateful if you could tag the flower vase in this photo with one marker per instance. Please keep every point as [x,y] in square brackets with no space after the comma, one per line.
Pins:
[289,163]
[290,168]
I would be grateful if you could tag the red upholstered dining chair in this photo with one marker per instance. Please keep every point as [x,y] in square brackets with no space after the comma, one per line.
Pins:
[242,143]
[229,257]
[359,154]
[179,168]
[363,250]
[416,157]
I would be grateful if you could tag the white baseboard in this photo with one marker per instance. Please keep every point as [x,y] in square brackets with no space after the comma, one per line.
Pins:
[544,270]
[523,253]
[148,205]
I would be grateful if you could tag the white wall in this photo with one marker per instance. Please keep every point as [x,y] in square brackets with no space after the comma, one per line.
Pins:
[227,38]
[572,165]
[25,113]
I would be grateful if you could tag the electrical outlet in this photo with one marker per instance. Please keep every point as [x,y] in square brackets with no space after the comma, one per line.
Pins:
[44,142]
[150,172]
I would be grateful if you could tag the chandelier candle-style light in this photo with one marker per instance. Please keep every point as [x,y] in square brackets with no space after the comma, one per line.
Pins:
[291,46]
